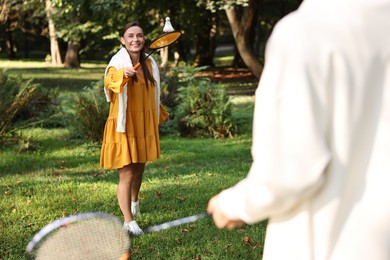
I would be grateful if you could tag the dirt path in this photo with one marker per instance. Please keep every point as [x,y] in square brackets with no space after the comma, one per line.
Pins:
[246,82]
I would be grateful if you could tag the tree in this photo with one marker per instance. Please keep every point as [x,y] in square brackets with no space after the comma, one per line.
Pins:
[8,25]
[241,15]
[54,48]
[242,27]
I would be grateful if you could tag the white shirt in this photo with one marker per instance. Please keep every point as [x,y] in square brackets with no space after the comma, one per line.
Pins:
[321,135]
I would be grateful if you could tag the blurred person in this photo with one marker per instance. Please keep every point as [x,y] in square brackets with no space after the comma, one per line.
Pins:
[321,137]
[131,134]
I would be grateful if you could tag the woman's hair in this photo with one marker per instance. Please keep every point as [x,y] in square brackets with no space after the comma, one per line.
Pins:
[148,76]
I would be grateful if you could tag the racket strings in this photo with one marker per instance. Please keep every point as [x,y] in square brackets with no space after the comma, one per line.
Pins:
[165,40]
[85,239]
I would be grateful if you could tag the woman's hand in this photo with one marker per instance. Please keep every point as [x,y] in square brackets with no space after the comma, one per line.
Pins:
[220,220]
[129,72]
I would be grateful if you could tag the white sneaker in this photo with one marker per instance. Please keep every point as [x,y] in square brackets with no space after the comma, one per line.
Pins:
[135,208]
[133,228]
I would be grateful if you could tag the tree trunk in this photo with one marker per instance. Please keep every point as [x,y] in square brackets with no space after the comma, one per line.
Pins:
[206,44]
[54,48]
[241,29]
[164,57]
[9,43]
[72,59]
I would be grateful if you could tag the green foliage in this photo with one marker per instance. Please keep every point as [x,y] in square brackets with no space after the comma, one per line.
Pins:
[214,5]
[90,112]
[44,109]
[14,95]
[171,81]
[203,108]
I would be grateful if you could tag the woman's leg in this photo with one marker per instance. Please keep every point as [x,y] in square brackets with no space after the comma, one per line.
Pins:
[136,186]
[130,180]
[126,176]
[135,210]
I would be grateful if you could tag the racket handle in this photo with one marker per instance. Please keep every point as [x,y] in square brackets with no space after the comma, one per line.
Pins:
[136,66]
[176,222]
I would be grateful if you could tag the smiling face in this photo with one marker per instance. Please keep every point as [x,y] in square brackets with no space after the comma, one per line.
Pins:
[133,39]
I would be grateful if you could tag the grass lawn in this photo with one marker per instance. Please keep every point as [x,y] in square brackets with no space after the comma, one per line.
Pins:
[56,175]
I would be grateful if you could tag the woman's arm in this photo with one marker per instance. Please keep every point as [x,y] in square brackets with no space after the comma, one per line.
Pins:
[115,79]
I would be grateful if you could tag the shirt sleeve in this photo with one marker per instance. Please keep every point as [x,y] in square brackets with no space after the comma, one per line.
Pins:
[163,114]
[289,149]
[114,80]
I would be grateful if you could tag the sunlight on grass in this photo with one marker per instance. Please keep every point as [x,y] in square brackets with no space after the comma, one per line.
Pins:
[42,64]
[223,61]
[245,100]
[55,76]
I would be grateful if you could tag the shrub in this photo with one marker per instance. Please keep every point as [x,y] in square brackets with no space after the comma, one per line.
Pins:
[174,78]
[15,93]
[203,109]
[44,109]
[90,112]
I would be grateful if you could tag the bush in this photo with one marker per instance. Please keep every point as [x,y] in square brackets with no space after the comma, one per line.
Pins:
[91,112]
[174,78]
[14,95]
[44,109]
[203,109]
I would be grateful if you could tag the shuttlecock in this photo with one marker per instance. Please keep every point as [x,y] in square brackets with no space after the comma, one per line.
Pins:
[168,26]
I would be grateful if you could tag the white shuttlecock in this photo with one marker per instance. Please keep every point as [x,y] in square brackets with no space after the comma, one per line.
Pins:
[168,26]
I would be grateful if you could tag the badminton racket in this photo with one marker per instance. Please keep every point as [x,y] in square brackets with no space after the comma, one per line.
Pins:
[162,41]
[92,235]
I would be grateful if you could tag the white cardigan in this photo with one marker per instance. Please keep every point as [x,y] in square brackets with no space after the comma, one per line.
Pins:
[119,60]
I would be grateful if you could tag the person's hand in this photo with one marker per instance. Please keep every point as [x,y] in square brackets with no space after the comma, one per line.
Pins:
[220,220]
[129,72]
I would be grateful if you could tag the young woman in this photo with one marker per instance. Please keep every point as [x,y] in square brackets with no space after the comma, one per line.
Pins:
[131,136]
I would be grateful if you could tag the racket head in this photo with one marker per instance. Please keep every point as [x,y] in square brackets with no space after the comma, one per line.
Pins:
[92,235]
[165,40]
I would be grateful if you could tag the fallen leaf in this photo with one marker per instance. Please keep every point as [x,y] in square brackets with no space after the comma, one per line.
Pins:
[185,231]
[178,240]
[247,241]
[180,198]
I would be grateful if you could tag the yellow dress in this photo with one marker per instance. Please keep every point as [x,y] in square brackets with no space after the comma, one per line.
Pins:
[140,142]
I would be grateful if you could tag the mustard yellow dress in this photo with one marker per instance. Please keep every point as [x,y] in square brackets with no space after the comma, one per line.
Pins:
[140,142]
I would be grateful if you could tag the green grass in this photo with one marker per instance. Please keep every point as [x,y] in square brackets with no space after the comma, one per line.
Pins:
[50,76]
[52,175]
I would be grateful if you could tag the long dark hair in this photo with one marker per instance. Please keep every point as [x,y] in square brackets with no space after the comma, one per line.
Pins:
[145,69]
